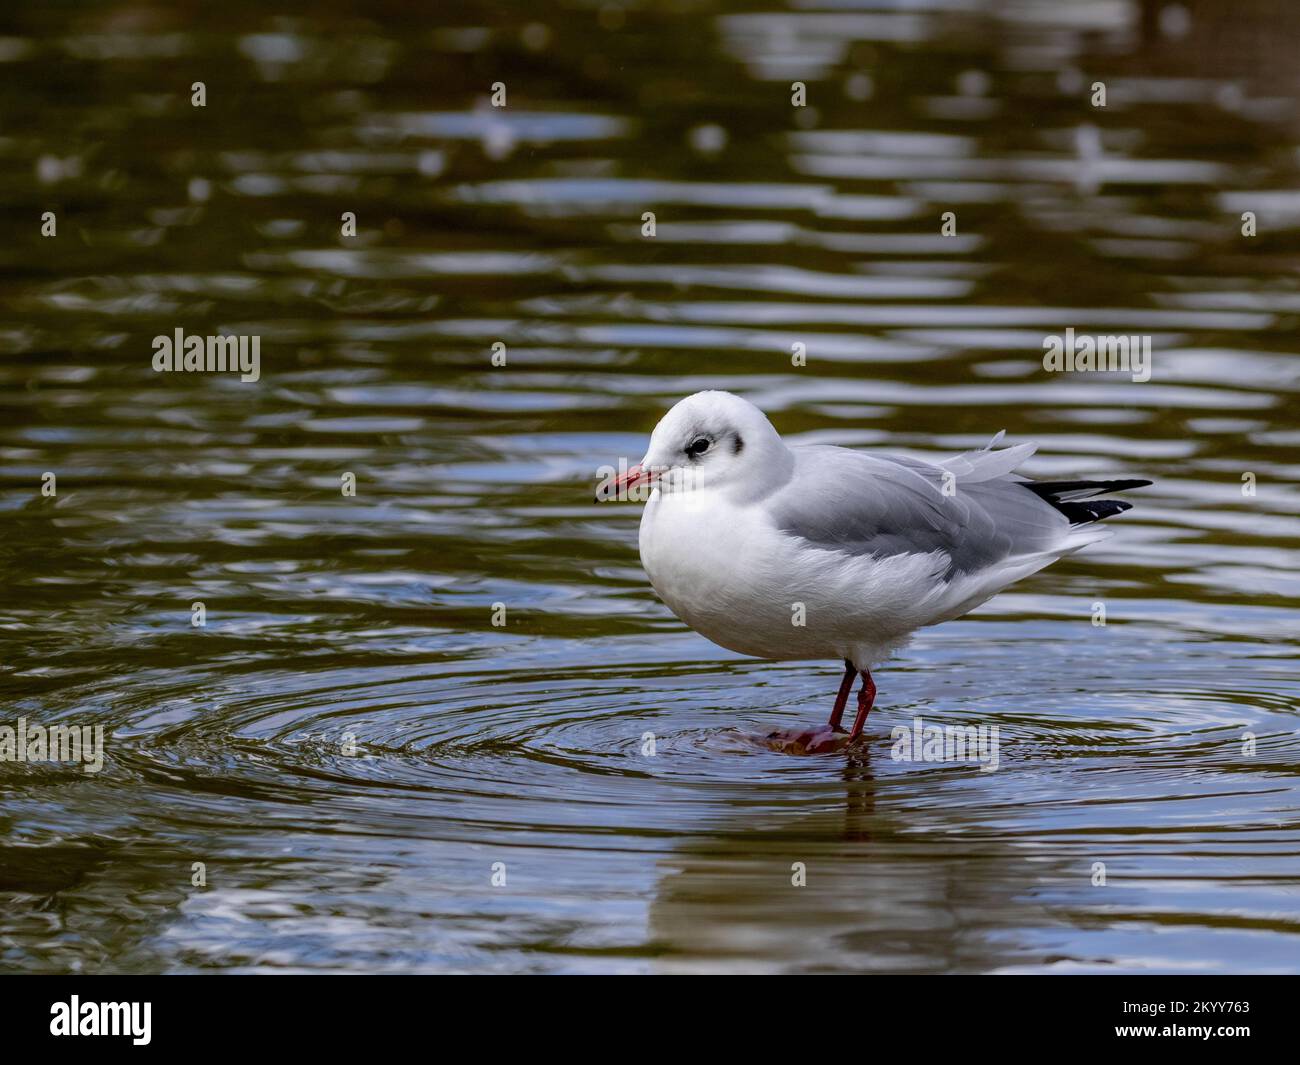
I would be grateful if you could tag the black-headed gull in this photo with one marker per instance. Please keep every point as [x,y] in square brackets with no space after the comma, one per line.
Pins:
[811,551]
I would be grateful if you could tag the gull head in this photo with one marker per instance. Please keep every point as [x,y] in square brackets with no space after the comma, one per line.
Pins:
[715,441]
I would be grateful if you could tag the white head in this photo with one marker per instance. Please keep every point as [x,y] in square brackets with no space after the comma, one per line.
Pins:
[716,441]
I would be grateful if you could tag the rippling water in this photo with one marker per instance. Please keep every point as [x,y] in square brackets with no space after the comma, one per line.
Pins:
[353,749]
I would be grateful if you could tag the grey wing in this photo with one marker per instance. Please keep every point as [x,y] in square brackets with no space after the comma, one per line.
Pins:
[880,505]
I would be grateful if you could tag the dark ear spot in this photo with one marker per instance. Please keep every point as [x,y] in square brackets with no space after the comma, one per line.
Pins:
[737,445]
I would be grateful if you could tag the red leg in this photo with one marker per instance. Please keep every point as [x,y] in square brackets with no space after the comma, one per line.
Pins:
[830,737]
[842,700]
[866,696]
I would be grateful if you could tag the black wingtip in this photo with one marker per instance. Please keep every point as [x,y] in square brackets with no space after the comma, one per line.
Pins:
[1053,490]
[1074,498]
[1079,513]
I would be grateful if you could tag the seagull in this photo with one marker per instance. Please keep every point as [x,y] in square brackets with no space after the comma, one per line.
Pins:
[809,551]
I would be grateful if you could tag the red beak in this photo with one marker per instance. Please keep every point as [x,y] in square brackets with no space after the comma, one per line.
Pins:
[622,486]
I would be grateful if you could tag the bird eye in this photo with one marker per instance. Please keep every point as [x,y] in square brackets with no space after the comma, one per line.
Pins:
[698,446]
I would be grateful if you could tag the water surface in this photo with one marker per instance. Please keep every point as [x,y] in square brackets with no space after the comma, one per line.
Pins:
[353,749]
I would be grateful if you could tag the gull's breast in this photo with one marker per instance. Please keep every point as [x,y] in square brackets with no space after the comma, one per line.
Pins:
[730,574]
[723,569]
